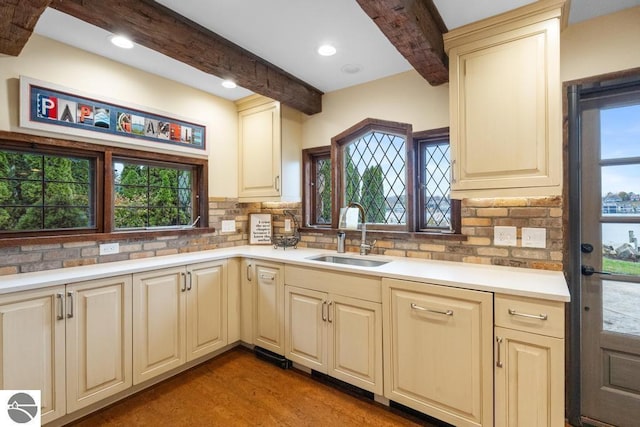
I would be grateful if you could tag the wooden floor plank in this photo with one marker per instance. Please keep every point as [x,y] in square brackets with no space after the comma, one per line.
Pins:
[237,389]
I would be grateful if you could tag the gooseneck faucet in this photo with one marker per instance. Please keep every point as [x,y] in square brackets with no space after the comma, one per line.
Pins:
[364,246]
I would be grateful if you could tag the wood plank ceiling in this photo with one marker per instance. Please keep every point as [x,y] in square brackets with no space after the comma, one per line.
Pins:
[413,26]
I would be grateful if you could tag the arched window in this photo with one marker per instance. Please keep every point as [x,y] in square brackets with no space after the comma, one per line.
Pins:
[374,167]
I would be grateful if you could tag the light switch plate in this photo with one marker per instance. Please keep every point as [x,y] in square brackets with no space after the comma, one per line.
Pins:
[505,236]
[109,248]
[228,225]
[534,237]
[287,225]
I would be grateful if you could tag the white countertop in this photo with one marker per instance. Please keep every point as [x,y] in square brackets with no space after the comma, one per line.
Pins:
[531,283]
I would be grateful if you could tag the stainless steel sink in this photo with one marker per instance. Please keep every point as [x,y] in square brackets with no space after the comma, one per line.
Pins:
[360,262]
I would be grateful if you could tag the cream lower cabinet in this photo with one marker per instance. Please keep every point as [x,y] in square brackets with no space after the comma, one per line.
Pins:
[438,357]
[335,335]
[33,346]
[267,282]
[529,371]
[98,340]
[71,342]
[179,315]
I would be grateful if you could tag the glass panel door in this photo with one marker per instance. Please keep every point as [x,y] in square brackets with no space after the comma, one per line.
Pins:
[610,224]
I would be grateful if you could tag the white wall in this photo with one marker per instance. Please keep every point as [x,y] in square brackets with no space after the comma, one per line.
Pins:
[53,62]
[405,97]
[603,45]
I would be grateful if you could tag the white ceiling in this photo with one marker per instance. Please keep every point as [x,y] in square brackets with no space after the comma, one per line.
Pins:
[287,34]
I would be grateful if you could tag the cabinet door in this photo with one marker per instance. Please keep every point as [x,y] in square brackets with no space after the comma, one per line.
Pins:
[259,136]
[247,300]
[506,112]
[99,355]
[159,319]
[355,345]
[234,303]
[438,352]
[529,377]
[33,352]
[269,308]
[306,327]
[206,308]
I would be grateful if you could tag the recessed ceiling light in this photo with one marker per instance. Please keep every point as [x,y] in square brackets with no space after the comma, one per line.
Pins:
[351,68]
[122,41]
[229,84]
[327,50]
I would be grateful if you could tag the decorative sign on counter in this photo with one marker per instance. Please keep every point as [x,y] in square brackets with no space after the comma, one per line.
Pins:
[49,107]
[260,229]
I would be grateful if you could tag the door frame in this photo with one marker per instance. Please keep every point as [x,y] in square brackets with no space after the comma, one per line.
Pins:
[572,91]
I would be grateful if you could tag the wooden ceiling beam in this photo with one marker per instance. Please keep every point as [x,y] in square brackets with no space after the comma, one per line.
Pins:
[154,26]
[17,20]
[415,28]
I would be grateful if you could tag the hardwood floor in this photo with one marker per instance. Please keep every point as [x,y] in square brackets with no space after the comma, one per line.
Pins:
[237,389]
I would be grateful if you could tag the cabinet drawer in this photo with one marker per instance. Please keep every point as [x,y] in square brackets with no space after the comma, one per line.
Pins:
[530,315]
[346,284]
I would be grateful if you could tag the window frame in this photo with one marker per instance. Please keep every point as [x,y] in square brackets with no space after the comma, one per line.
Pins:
[310,157]
[421,139]
[415,198]
[103,155]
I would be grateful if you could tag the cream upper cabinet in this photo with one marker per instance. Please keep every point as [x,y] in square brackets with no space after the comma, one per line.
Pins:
[529,358]
[268,305]
[269,144]
[437,351]
[505,104]
[179,315]
[333,333]
[33,346]
[98,340]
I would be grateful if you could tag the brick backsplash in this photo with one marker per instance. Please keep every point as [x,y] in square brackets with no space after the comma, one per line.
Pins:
[479,216]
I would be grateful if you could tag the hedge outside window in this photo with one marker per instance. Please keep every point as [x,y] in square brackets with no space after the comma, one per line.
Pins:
[41,191]
[151,195]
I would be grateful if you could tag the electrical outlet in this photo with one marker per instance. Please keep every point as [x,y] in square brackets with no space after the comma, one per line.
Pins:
[505,236]
[109,248]
[228,225]
[534,237]
[287,225]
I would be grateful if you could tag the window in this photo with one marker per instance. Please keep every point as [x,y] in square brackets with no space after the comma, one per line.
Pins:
[151,195]
[54,187]
[374,168]
[436,209]
[42,191]
[317,190]
[401,179]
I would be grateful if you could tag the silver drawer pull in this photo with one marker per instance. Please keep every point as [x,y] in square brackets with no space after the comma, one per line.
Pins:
[266,277]
[417,307]
[528,316]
